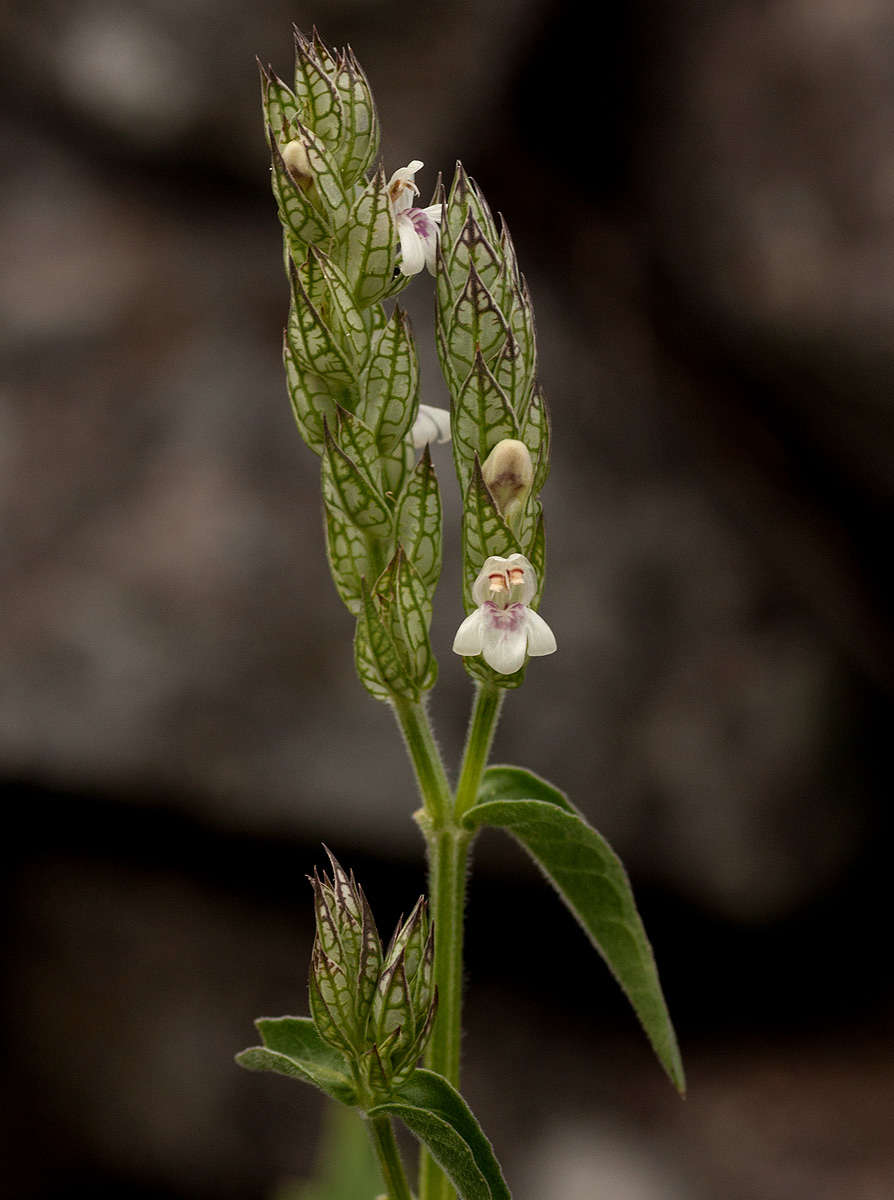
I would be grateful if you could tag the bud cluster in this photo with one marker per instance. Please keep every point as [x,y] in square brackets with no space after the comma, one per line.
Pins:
[351,368]
[499,421]
[375,1007]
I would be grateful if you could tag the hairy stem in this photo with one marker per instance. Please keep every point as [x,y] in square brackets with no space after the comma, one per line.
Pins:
[483,725]
[389,1159]
[431,777]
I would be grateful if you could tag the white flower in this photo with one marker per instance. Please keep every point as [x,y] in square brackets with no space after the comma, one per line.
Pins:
[431,425]
[417,228]
[503,629]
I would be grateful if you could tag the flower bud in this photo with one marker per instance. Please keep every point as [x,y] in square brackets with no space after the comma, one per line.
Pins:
[294,155]
[376,1009]
[509,473]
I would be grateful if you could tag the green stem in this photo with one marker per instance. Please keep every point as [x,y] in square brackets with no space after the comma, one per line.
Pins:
[448,848]
[426,758]
[483,725]
[389,1159]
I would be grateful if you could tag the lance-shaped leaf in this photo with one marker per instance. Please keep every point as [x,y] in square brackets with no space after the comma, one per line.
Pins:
[303,223]
[379,663]
[348,551]
[348,490]
[442,1121]
[312,343]
[405,607]
[481,416]
[340,312]
[369,250]
[312,401]
[534,431]
[320,102]
[292,1047]
[391,382]
[327,181]
[475,324]
[360,136]
[591,879]
[419,521]
[484,532]
[471,249]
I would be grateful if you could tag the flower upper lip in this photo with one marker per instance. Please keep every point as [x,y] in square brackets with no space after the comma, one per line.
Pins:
[417,228]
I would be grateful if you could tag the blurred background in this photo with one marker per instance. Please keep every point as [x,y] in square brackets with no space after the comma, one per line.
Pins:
[702,197]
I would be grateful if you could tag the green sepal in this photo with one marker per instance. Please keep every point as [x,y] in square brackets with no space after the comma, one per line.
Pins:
[471,248]
[349,554]
[465,197]
[280,107]
[328,1027]
[591,880]
[292,1047]
[313,344]
[302,221]
[336,990]
[442,1121]
[535,431]
[379,663]
[475,324]
[511,373]
[360,138]
[369,250]
[418,521]
[484,532]
[405,607]
[320,102]
[338,309]
[313,404]
[391,382]
[480,417]
[350,492]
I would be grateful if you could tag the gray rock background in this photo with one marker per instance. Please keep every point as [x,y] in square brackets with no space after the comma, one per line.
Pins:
[701,196]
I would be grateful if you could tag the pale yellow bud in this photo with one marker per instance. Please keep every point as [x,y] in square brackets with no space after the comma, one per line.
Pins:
[294,155]
[509,473]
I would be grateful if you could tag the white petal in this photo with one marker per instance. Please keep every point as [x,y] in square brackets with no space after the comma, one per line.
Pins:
[412,167]
[493,566]
[431,425]
[468,637]
[504,649]
[541,639]
[412,252]
[434,212]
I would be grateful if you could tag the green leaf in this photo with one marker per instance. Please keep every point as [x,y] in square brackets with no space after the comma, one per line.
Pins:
[480,417]
[484,532]
[293,1047]
[370,247]
[392,381]
[591,879]
[419,521]
[443,1122]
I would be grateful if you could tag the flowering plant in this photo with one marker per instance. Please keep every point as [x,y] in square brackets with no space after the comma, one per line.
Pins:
[353,239]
